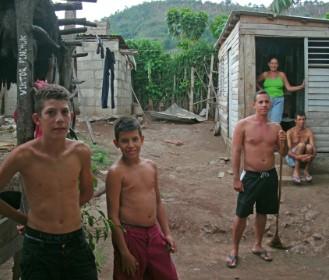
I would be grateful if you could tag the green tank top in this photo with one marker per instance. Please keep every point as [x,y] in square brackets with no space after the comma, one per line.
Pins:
[274,87]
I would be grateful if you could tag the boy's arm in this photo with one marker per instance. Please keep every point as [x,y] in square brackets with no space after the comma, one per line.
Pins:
[86,177]
[162,215]
[9,167]
[113,190]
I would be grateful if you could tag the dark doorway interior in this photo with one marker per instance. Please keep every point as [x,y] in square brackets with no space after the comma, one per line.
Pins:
[290,52]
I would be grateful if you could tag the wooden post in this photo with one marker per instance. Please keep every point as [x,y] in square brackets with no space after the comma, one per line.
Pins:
[174,91]
[191,90]
[209,85]
[25,60]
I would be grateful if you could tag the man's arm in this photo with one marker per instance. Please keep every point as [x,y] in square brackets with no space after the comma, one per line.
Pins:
[162,215]
[9,167]
[86,177]
[113,190]
[237,144]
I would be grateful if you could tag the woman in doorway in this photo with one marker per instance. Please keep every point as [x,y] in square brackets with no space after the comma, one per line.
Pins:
[274,82]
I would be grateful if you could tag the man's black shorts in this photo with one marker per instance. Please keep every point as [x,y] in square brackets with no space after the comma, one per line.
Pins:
[260,188]
[57,256]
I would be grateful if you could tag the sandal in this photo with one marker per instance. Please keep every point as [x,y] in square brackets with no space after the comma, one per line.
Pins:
[232,261]
[296,179]
[264,255]
[308,178]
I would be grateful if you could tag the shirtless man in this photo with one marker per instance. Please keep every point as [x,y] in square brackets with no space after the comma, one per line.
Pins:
[57,181]
[301,147]
[256,139]
[141,249]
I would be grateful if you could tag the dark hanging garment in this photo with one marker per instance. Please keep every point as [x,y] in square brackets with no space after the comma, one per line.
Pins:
[108,79]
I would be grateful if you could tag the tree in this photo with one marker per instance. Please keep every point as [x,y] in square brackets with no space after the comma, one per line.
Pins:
[277,6]
[185,24]
[217,25]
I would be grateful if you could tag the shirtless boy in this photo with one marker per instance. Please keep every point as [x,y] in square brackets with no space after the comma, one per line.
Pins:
[57,181]
[301,147]
[256,139]
[141,249]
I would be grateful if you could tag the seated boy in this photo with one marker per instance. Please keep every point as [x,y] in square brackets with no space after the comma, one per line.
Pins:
[302,149]
[141,249]
[57,181]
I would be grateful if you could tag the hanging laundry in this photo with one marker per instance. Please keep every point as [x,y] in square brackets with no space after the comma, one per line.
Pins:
[108,79]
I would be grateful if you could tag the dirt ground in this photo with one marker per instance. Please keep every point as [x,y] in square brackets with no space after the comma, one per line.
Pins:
[201,207]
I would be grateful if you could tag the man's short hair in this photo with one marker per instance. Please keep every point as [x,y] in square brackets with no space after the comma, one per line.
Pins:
[300,114]
[49,91]
[261,92]
[126,123]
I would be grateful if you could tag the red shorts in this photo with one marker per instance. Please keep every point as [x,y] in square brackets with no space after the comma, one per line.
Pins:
[148,246]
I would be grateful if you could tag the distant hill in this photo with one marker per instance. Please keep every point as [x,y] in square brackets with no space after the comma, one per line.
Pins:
[148,20]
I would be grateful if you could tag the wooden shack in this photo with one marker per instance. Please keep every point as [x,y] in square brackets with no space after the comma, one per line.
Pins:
[302,47]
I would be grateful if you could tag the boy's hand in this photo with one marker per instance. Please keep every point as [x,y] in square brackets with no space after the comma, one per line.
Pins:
[171,243]
[129,264]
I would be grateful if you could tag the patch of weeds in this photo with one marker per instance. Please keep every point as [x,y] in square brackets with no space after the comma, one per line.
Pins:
[100,159]
[96,226]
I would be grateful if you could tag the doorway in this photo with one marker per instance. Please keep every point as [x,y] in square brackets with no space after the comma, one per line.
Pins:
[290,53]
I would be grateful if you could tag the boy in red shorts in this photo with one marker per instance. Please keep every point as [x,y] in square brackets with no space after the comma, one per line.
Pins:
[141,237]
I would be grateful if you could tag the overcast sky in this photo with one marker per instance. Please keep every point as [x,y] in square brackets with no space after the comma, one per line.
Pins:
[94,11]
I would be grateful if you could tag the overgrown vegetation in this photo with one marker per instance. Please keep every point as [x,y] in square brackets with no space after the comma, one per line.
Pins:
[96,225]
[175,35]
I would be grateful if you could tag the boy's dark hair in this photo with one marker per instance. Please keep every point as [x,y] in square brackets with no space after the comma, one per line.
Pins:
[300,114]
[49,91]
[126,123]
[261,92]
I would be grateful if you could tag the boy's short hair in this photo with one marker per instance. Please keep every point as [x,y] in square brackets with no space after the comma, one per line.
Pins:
[126,123]
[261,92]
[49,91]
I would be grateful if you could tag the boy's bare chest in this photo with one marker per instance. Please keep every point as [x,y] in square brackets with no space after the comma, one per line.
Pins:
[139,181]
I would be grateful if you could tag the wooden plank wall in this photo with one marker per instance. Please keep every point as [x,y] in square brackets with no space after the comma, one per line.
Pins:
[232,44]
[318,106]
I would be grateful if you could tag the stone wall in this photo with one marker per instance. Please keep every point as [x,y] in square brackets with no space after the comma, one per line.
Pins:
[90,70]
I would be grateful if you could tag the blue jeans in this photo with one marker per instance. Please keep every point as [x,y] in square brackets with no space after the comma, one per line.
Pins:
[276,112]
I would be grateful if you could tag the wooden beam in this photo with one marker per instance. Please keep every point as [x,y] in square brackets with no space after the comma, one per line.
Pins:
[90,1]
[73,43]
[79,54]
[71,21]
[42,35]
[73,31]
[25,62]
[90,23]
[67,6]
